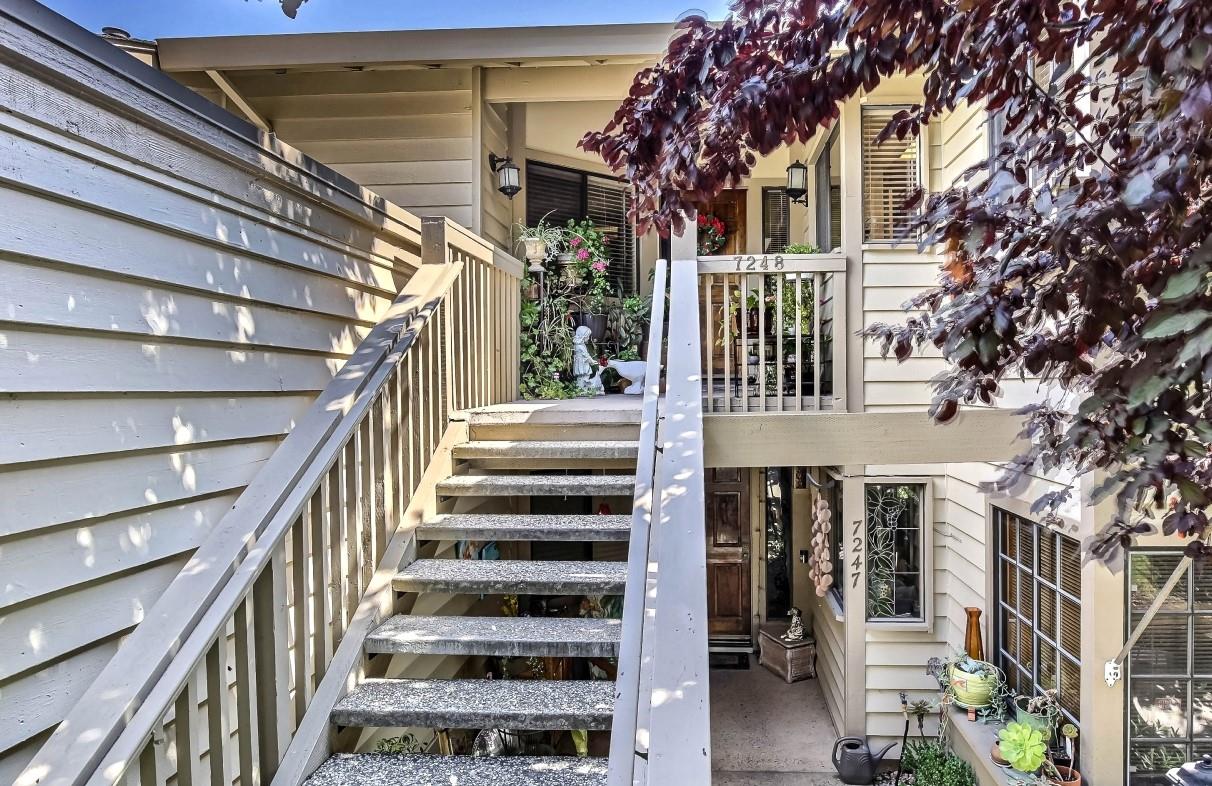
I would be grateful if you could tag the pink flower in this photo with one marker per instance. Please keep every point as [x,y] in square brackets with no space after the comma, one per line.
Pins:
[577,240]
[583,254]
[599,266]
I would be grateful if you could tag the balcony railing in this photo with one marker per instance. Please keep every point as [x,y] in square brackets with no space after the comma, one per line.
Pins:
[769,329]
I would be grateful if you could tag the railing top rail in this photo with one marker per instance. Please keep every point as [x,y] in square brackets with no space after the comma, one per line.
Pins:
[623,742]
[772,263]
[122,705]
[679,749]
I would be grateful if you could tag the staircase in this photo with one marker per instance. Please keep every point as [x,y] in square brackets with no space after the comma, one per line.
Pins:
[517,456]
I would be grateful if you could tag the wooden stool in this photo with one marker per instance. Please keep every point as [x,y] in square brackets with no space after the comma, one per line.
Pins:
[791,660]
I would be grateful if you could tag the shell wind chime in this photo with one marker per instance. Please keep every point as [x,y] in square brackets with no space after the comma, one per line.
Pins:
[820,567]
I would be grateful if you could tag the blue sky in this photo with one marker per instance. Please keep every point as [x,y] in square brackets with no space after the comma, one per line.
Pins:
[170,18]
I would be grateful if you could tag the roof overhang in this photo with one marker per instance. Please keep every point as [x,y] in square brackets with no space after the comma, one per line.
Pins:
[473,46]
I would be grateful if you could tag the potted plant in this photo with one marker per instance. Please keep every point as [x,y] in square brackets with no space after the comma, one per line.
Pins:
[1040,712]
[540,243]
[1022,746]
[588,265]
[972,683]
[1065,774]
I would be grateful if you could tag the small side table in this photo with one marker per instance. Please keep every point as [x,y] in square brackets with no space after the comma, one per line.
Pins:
[791,660]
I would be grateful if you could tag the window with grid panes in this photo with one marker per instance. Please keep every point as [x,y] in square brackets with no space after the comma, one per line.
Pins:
[890,178]
[1037,641]
[1169,684]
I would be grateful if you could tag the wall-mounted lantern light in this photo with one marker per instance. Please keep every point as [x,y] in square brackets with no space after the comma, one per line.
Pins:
[509,177]
[797,182]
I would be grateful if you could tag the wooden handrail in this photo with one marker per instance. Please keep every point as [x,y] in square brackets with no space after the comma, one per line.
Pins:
[327,500]
[626,744]
[661,730]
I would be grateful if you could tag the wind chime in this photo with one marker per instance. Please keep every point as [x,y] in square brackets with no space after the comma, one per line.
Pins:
[820,567]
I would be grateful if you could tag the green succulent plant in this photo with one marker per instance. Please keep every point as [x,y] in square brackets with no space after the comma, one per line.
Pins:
[1022,746]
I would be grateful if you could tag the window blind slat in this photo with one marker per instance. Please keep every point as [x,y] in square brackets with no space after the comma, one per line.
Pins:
[890,177]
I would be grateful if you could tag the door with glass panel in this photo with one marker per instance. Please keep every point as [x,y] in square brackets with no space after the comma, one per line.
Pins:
[1169,707]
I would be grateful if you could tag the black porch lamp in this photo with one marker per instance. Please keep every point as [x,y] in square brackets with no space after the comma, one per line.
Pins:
[509,177]
[797,182]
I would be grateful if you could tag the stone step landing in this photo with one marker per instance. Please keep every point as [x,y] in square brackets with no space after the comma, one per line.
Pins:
[368,769]
[547,449]
[529,705]
[518,526]
[537,486]
[513,637]
[512,577]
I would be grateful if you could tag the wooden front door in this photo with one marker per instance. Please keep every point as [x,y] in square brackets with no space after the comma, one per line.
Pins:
[728,600]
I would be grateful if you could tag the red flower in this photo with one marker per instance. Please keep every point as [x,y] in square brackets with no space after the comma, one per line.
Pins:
[602,361]
[702,221]
[718,226]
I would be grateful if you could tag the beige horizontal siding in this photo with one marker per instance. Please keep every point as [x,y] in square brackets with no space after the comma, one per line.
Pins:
[407,134]
[172,297]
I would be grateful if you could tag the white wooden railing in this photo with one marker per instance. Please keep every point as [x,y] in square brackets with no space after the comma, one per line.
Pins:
[774,332]
[214,684]
[661,730]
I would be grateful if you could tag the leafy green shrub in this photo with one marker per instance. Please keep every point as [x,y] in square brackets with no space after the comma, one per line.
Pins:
[801,248]
[933,765]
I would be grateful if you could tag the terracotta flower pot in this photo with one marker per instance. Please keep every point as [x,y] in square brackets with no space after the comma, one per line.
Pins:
[1068,777]
[995,754]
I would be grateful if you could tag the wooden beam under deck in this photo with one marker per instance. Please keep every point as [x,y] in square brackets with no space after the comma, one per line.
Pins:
[834,439]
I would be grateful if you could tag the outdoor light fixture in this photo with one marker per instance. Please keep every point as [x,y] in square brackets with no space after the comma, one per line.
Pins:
[509,177]
[797,182]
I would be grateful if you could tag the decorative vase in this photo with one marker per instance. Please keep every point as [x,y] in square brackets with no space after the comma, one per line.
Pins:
[972,691]
[973,645]
[567,268]
[535,252]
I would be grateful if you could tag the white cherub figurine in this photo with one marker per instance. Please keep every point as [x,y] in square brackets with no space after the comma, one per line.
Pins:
[584,368]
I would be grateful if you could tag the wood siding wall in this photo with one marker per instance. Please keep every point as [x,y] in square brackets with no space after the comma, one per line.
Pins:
[408,134]
[495,211]
[173,294]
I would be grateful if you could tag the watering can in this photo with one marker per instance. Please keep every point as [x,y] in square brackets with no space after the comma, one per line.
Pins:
[856,763]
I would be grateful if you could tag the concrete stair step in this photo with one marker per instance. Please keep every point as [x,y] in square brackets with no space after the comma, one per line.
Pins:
[529,705]
[537,486]
[370,769]
[508,577]
[519,526]
[547,449]
[502,636]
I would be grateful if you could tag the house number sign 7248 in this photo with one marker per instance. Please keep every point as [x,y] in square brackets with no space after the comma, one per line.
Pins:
[752,263]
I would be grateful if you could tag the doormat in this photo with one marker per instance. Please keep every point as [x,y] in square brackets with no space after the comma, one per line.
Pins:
[733,661]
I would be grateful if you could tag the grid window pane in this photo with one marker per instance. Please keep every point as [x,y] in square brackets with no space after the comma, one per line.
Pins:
[1162,648]
[1039,625]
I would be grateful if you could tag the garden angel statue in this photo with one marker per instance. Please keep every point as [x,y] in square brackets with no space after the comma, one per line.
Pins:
[584,367]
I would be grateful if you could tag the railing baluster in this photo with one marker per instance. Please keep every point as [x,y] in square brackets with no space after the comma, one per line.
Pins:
[761,341]
[744,362]
[778,339]
[270,644]
[334,507]
[153,769]
[247,717]
[322,642]
[729,349]
[709,344]
[818,345]
[217,714]
[298,600]
[185,731]
[799,341]
[351,514]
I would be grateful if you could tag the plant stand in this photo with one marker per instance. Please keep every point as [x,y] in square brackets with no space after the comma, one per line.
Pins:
[791,660]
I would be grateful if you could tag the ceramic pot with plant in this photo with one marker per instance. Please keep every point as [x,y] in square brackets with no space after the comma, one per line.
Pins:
[995,755]
[1066,775]
[1039,712]
[1023,747]
[972,682]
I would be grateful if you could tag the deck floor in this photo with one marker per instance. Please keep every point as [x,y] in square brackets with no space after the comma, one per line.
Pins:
[765,732]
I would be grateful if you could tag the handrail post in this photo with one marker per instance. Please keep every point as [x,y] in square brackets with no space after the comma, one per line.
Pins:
[435,250]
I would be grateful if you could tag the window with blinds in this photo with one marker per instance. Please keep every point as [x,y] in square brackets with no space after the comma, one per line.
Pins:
[1169,713]
[560,195]
[776,220]
[1037,639]
[890,178]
